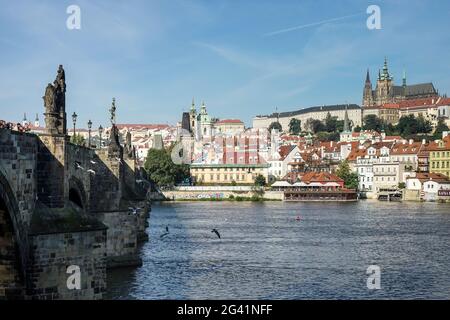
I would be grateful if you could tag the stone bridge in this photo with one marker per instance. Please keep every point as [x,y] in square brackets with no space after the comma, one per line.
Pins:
[66,205]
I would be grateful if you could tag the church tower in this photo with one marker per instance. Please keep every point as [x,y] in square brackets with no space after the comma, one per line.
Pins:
[193,117]
[368,94]
[36,121]
[24,121]
[385,84]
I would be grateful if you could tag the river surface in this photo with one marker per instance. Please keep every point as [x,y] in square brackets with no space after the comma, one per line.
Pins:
[265,253]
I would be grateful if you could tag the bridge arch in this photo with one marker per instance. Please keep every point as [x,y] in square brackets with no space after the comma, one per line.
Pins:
[11,271]
[77,194]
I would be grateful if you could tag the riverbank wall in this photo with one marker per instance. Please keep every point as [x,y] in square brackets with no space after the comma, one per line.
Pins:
[218,193]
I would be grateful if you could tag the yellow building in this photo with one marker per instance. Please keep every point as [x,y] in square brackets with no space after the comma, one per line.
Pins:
[440,156]
[227,173]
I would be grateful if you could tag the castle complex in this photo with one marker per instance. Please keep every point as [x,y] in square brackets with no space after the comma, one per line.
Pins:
[386,92]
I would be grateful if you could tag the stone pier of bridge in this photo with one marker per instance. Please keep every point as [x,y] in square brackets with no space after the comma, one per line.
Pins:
[67,212]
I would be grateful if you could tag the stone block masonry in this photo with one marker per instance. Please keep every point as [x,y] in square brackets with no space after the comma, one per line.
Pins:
[65,205]
[52,254]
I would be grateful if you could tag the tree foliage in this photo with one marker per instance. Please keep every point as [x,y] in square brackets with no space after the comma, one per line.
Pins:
[410,125]
[295,126]
[372,122]
[78,139]
[161,169]
[275,125]
[260,181]
[350,178]
[317,126]
[327,136]
[407,126]
[331,123]
[441,127]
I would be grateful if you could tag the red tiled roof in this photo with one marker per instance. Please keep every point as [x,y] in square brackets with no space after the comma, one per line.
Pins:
[390,106]
[423,176]
[285,150]
[356,153]
[420,103]
[434,146]
[406,148]
[141,126]
[392,138]
[226,121]
[321,177]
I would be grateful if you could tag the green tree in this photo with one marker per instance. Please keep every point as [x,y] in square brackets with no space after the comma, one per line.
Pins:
[350,178]
[308,124]
[161,169]
[260,181]
[275,125]
[357,129]
[372,122]
[440,127]
[331,123]
[295,126]
[78,139]
[340,125]
[424,126]
[317,126]
[407,125]
[391,130]
[327,136]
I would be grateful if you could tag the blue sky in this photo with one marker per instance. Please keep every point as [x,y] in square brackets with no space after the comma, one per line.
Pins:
[154,56]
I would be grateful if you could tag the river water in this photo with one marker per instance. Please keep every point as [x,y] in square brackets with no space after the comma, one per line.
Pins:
[265,253]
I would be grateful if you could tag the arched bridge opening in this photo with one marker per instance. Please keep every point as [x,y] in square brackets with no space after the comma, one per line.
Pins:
[75,197]
[10,276]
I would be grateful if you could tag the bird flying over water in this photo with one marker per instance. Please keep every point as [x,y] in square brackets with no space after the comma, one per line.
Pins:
[216,232]
[165,234]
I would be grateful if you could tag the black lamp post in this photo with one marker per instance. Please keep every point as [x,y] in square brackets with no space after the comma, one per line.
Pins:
[74,120]
[100,132]
[89,130]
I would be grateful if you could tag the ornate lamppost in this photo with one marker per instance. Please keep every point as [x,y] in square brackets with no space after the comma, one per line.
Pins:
[74,120]
[89,131]
[100,132]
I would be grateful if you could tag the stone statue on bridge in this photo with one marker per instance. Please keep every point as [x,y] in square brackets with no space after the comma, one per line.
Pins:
[55,104]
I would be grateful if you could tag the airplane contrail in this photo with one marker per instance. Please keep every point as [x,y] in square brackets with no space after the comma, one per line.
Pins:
[310,25]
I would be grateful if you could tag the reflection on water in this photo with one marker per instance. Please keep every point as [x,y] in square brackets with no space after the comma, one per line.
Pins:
[265,253]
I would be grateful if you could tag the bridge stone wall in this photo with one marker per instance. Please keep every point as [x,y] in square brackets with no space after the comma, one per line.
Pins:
[62,204]
[54,253]
[38,175]
[18,166]
[18,198]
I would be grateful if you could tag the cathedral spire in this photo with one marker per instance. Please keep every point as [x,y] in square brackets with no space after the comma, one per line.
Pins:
[367,77]
[386,70]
